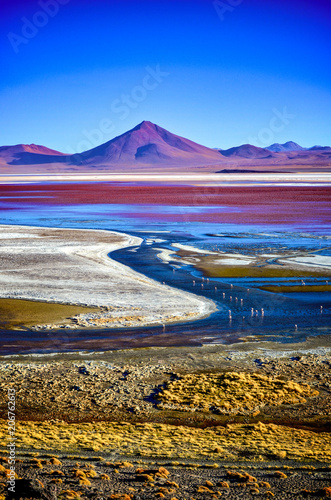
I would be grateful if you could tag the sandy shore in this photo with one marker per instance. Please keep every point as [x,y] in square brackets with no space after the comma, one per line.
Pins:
[72,266]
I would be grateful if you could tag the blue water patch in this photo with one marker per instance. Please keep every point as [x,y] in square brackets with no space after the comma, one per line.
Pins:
[285,317]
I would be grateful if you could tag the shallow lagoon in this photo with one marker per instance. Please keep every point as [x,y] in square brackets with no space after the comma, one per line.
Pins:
[287,317]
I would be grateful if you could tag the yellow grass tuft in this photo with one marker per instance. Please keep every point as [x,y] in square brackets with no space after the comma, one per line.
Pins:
[204,489]
[241,478]
[223,484]
[264,484]
[83,481]
[69,494]
[229,392]
[120,496]
[144,477]
[55,461]
[79,473]
[280,474]
[104,477]
[91,473]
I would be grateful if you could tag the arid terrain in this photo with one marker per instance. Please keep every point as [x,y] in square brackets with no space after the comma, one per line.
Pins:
[107,428]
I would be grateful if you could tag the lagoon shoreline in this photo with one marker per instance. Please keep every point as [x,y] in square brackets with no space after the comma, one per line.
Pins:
[73,267]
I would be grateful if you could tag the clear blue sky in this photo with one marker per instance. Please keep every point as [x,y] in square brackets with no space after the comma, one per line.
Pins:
[75,73]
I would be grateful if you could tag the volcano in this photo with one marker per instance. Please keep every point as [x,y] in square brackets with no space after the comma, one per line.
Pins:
[148,143]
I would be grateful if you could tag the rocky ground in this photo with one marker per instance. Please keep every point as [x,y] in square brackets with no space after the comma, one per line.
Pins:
[125,384]
[50,478]
[96,415]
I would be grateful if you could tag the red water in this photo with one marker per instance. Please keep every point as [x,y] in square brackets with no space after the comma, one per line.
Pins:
[243,205]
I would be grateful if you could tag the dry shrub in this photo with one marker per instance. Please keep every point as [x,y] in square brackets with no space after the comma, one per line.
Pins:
[204,489]
[55,461]
[91,473]
[280,474]
[104,477]
[144,477]
[223,484]
[241,478]
[83,481]
[78,473]
[264,484]
[56,473]
[120,496]
[69,494]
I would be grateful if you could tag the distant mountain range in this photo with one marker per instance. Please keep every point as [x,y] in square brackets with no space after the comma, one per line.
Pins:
[148,147]
[246,151]
[288,146]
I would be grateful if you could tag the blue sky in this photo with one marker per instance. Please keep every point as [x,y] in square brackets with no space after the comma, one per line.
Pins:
[77,73]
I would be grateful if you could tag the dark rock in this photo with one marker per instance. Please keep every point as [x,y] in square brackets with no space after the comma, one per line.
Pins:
[30,489]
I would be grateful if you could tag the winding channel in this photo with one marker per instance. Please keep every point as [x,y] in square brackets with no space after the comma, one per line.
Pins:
[285,319]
